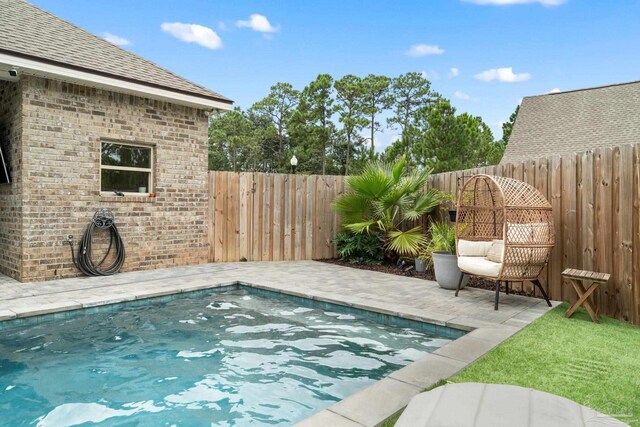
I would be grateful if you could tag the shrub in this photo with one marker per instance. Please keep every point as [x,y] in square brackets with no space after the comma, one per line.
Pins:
[360,248]
[382,198]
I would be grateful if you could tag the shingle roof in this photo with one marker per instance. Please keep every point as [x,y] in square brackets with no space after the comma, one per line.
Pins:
[575,121]
[30,32]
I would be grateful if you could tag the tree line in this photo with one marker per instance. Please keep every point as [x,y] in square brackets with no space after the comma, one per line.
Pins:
[331,127]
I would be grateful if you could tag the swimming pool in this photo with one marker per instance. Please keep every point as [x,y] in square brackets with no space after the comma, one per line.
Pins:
[230,358]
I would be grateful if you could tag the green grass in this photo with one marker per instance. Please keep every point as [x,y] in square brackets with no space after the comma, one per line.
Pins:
[597,365]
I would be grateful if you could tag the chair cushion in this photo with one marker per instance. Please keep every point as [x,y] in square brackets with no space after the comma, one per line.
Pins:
[479,266]
[473,248]
[496,251]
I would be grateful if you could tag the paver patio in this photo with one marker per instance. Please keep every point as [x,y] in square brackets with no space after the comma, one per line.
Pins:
[406,297]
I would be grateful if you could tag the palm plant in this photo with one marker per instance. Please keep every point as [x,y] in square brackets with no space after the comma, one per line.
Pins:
[382,198]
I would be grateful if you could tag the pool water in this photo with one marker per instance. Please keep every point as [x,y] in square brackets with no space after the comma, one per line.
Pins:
[227,359]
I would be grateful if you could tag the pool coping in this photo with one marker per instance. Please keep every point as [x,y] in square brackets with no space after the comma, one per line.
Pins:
[369,407]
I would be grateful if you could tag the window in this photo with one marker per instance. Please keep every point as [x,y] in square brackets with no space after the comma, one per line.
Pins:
[126,168]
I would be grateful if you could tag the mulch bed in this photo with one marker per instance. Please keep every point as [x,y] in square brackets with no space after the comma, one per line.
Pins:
[392,268]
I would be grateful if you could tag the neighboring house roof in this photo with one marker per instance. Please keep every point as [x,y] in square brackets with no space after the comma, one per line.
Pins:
[575,121]
[37,41]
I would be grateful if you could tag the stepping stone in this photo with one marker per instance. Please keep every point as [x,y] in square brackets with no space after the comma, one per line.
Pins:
[497,405]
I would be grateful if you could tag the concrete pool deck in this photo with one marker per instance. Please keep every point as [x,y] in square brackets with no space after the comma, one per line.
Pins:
[402,296]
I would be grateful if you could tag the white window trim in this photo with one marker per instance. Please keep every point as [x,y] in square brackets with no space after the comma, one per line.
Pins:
[128,168]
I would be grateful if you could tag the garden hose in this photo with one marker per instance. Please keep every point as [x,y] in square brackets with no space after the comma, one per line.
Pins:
[104,220]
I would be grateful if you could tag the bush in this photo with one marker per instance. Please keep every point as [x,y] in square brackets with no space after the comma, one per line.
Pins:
[382,199]
[360,248]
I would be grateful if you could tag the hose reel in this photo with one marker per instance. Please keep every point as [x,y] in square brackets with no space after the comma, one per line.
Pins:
[103,219]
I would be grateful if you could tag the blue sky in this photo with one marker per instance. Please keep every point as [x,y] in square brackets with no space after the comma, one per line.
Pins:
[547,44]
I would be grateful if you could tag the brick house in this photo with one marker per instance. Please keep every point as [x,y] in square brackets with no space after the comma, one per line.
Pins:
[81,118]
[575,121]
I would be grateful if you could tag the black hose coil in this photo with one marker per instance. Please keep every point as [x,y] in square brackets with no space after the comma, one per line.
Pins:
[102,219]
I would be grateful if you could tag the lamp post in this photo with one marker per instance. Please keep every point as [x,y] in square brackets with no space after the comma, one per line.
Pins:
[294,163]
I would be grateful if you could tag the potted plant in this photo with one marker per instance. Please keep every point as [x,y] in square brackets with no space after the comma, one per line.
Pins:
[423,258]
[449,204]
[443,254]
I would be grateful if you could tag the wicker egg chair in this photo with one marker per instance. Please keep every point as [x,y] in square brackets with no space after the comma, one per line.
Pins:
[504,231]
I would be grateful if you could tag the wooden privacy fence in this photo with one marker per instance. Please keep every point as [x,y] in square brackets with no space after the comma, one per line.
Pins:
[272,217]
[596,209]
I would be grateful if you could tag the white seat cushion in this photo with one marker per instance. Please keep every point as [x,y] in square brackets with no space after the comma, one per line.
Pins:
[473,248]
[479,266]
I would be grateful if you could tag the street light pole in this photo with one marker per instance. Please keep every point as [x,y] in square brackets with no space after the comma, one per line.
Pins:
[294,163]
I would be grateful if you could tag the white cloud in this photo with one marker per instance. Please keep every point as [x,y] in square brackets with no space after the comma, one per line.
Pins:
[554,90]
[510,2]
[430,75]
[501,122]
[423,49]
[193,33]
[258,23]
[461,95]
[222,26]
[454,72]
[464,96]
[384,140]
[117,40]
[505,74]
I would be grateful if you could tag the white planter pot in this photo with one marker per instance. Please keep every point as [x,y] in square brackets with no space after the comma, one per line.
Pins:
[421,265]
[447,272]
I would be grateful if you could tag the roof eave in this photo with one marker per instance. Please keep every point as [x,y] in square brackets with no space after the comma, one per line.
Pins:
[52,71]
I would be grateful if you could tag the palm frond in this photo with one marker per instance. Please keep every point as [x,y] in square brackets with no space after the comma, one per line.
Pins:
[352,207]
[406,242]
[360,227]
[398,168]
[372,182]
[423,203]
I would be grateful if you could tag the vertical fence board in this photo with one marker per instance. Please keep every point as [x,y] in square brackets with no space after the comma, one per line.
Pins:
[211,235]
[233,231]
[569,220]
[297,212]
[636,235]
[586,211]
[603,219]
[267,218]
[542,185]
[621,293]
[310,209]
[258,213]
[221,199]
[243,213]
[555,261]
[288,228]
[276,223]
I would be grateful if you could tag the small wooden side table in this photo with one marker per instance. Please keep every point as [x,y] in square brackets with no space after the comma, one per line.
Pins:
[577,278]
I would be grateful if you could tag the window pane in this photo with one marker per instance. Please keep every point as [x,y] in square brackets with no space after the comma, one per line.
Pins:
[126,155]
[125,181]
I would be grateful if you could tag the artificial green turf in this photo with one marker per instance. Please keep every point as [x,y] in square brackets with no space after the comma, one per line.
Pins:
[596,365]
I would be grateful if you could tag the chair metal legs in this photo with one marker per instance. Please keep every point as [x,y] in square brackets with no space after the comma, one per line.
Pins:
[460,283]
[536,282]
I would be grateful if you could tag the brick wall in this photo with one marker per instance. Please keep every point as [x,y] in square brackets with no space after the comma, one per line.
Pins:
[10,194]
[63,127]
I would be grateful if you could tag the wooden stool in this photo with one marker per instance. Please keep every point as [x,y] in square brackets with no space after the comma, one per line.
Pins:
[577,277]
